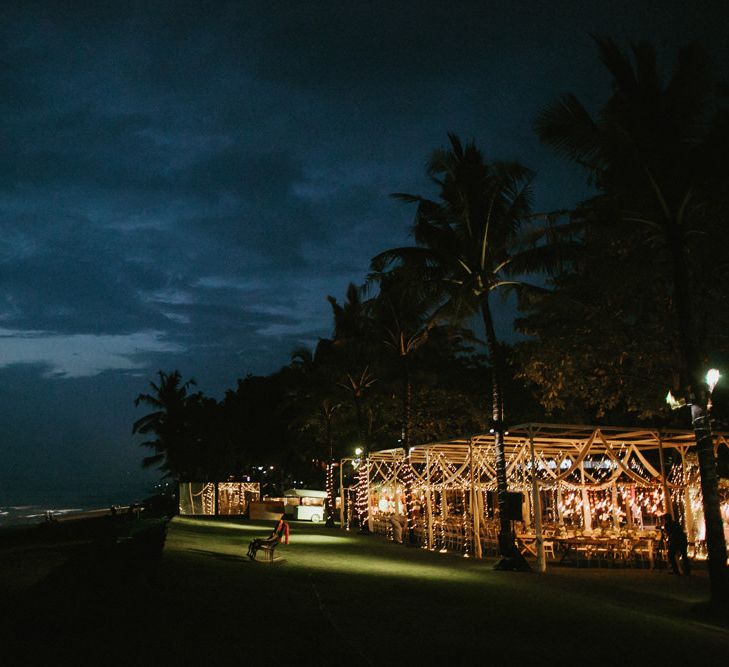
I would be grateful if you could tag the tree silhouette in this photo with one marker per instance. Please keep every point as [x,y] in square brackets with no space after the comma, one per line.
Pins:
[469,245]
[657,154]
[170,423]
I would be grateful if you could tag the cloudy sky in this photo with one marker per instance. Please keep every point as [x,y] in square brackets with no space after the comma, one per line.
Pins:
[182,184]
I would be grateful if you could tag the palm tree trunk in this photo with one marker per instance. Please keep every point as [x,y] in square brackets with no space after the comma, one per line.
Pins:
[362,502]
[690,373]
[715,543]
[330,474]
[511,558]
[407,397]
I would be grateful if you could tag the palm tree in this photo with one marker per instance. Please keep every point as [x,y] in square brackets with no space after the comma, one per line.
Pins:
[316,408]
[326,415]
[169,423]
[468,245]
[403,314]
[657,154]
[353,343]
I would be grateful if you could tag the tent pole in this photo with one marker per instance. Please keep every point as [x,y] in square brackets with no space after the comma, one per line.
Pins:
[586,509]
[688,512]
[341,494]
[614,502]
[429,500]
[667,506]
[537,505]
[475,514]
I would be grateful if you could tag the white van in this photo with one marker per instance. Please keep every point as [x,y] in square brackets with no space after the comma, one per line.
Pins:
[304,504]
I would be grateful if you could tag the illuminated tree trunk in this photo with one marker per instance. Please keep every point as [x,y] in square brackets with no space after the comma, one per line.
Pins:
[330,475]
[407,397]
[690,372]
[362,498]
[511,558]
[715,543]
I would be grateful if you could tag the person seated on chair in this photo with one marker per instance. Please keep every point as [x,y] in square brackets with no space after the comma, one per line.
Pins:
[280,530]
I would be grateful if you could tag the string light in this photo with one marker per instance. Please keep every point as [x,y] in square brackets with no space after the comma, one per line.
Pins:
[329,486]
[362,498]
[620,489]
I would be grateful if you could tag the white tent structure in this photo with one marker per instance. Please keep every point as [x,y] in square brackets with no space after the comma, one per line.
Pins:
[579,480]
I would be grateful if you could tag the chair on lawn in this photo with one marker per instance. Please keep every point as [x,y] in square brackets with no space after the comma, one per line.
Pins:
[268,545]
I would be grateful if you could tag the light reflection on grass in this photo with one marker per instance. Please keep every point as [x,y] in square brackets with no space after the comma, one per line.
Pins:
[367,565]
[313,549]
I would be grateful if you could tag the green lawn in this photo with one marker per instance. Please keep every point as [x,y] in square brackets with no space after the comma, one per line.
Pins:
[337,598]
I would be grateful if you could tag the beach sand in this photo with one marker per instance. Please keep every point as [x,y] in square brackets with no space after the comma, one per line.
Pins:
[28,553]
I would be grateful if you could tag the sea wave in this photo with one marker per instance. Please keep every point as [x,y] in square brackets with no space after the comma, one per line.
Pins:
[89,503]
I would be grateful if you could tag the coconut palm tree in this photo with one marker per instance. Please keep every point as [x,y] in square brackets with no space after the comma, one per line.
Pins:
[403,314]
[169,423]
[657,154]
[468,244]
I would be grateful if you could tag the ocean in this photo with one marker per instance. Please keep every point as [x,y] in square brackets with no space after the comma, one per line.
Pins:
[15,512]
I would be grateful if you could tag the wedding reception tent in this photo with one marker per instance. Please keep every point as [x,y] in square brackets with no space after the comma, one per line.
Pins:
[588,493]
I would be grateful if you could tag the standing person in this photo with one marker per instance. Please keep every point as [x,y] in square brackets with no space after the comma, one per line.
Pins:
[677,545]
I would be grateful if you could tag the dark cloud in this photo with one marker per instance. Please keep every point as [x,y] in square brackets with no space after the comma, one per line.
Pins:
[182,183]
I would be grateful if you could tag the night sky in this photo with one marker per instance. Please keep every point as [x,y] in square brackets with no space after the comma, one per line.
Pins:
[182,184]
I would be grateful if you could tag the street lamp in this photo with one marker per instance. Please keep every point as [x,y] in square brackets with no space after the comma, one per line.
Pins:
[715,542]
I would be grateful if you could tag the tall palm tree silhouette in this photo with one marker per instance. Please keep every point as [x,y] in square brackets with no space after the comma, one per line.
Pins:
[169,423]
[657,154]
[469,245]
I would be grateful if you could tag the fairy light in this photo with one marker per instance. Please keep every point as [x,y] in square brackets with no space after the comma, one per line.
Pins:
[208,498]
[465,524]
[443,507]
[330,491]
[616,484]
[362,497]
[408,481]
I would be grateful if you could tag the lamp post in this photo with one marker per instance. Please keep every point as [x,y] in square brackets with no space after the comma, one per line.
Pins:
[715,543]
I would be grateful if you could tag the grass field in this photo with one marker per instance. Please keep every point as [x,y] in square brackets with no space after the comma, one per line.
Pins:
[337,598]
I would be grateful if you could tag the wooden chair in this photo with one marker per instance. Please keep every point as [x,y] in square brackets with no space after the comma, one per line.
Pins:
[454,537]
[583,554]
[643,553]
[548,546]
[489,540]
[268,545]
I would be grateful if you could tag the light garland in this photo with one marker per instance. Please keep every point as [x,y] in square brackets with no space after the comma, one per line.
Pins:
[329,486]
[409,511]
[618,489]
[465,524]
[362,498]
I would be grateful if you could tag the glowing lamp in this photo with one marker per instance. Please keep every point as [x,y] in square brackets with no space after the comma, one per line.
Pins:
[712,377]
[673,402]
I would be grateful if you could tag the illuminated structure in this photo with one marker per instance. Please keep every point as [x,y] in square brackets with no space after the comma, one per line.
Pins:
[590,480]
[211,498]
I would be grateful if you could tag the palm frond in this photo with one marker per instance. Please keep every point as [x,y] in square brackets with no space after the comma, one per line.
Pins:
[689,89]
[646,68]
[153,460]
[620,67]
[409,256]
[567,127]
